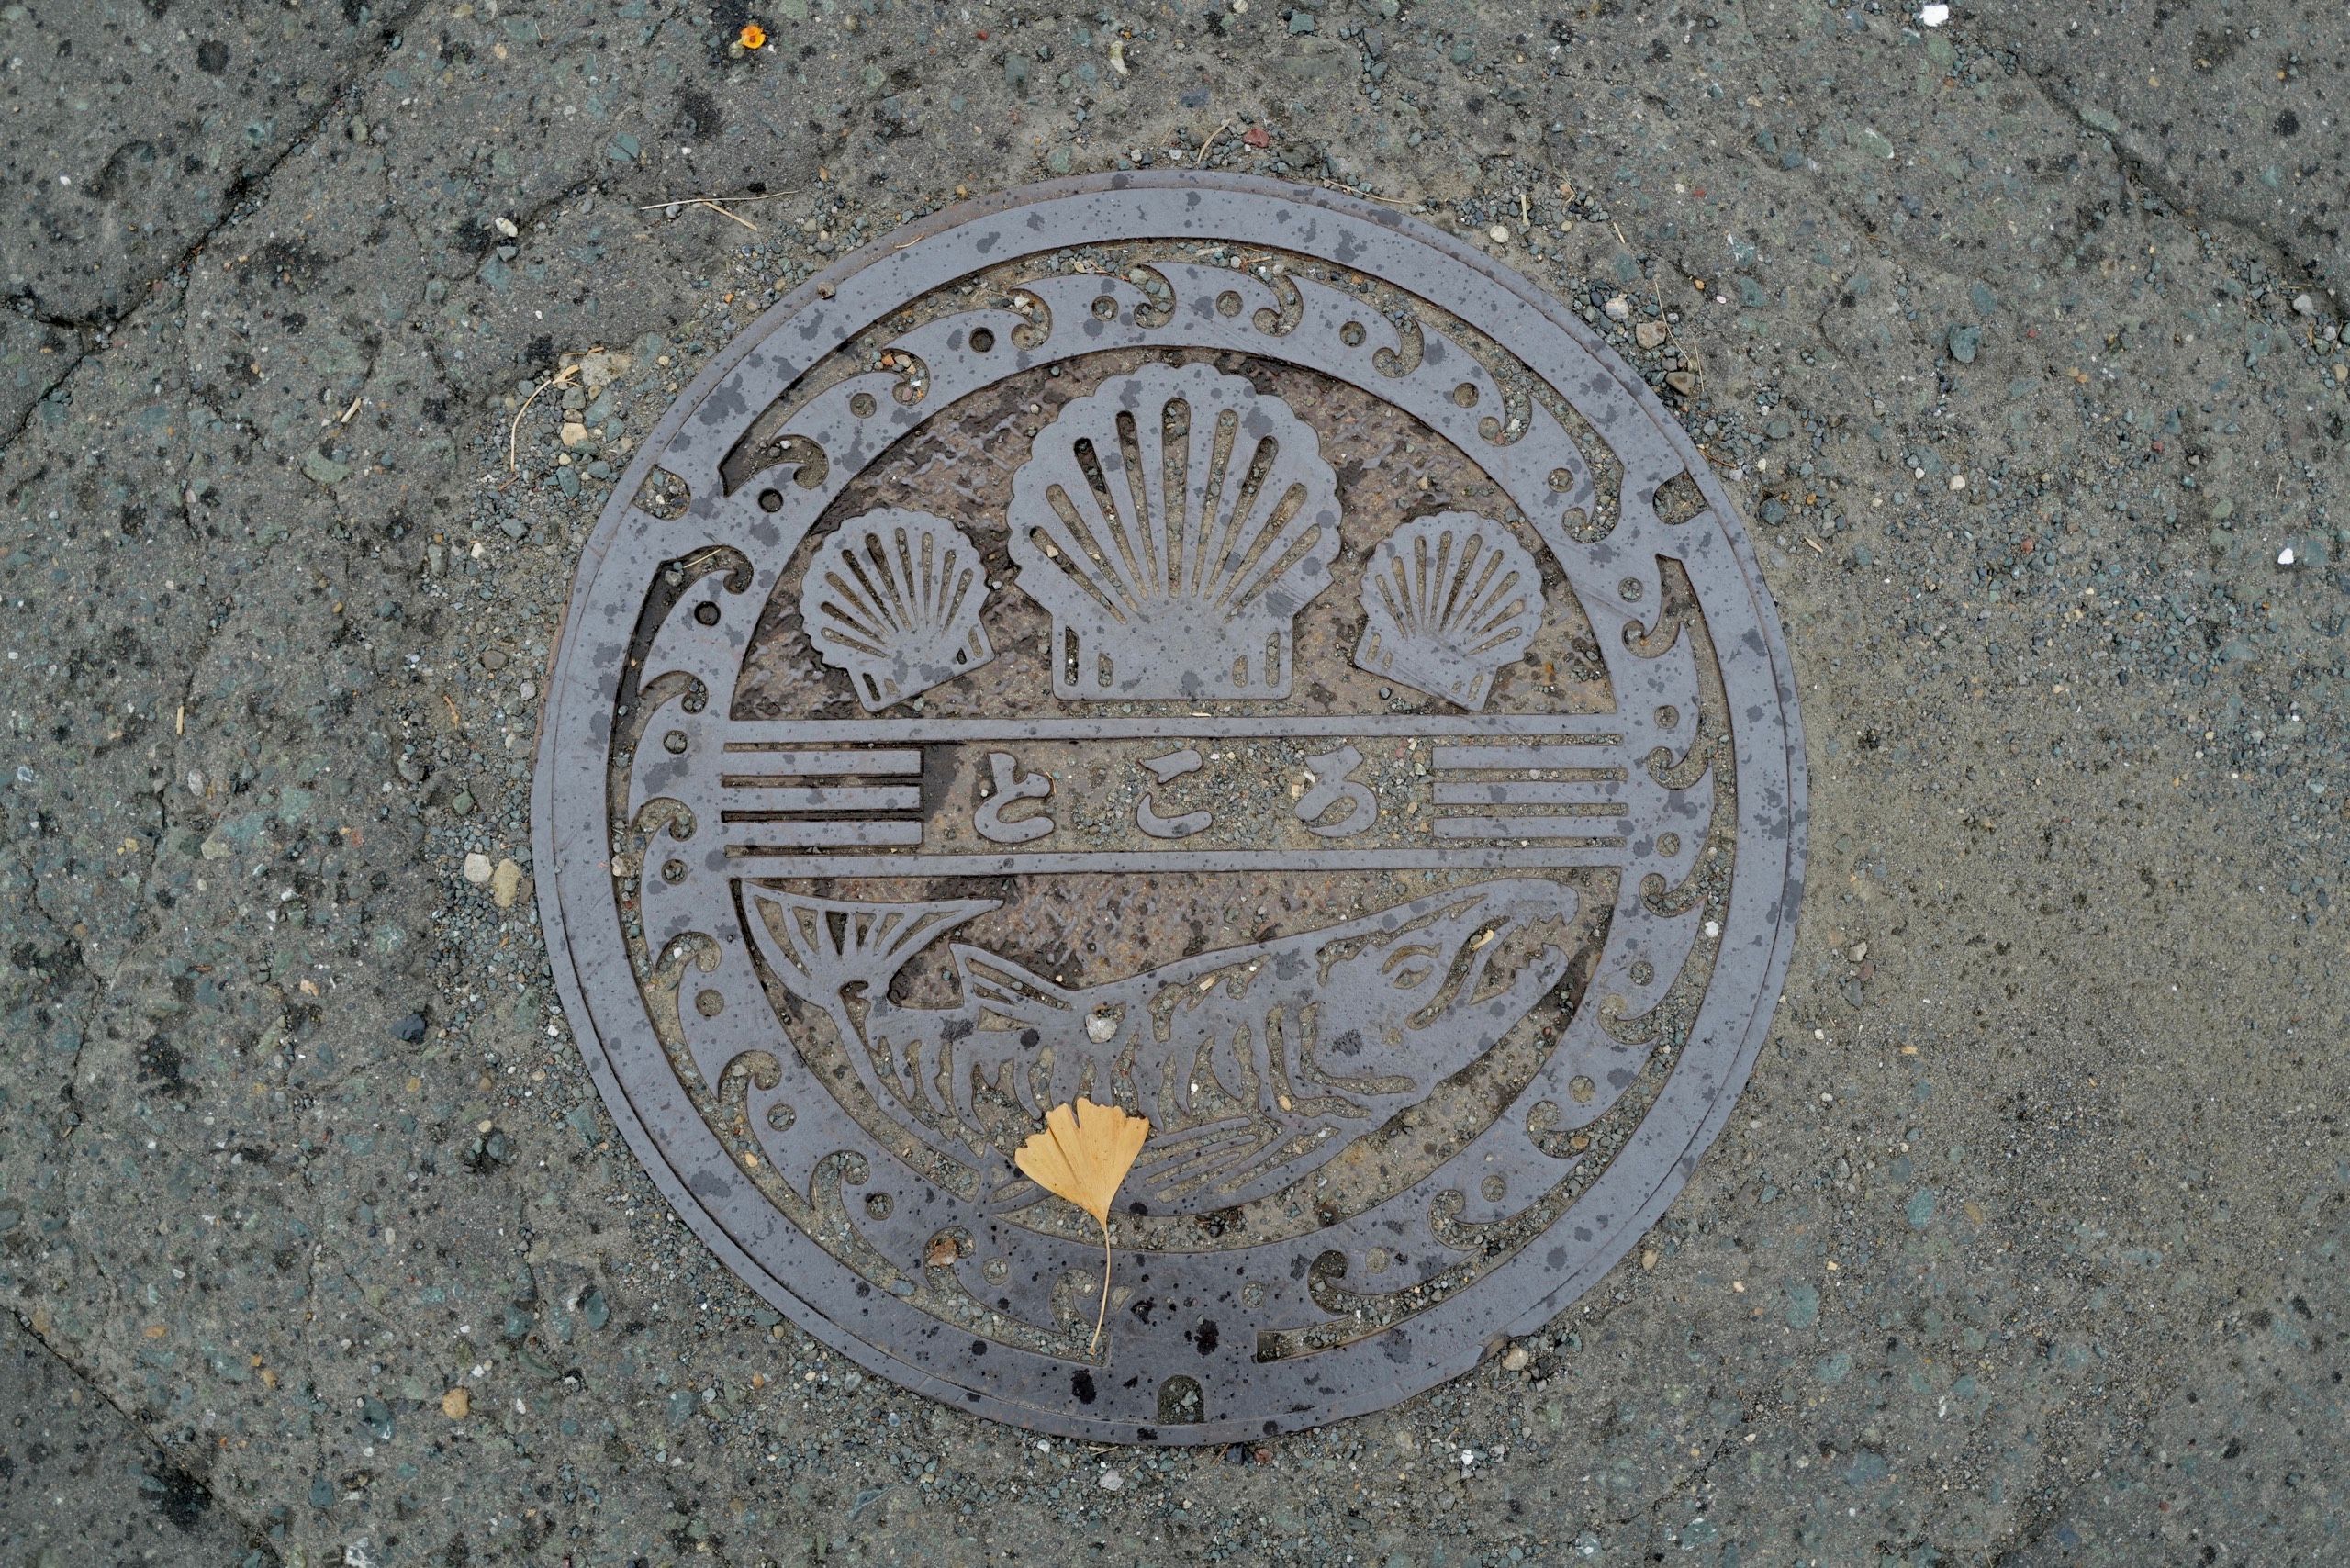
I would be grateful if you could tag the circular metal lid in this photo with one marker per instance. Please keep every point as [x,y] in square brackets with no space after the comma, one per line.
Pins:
[1208,646]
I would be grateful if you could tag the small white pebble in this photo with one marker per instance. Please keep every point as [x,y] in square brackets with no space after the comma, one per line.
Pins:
[1498,233]
[1934,16]
[2286,557]
[1112,1481]
[1958,481]
[479,869]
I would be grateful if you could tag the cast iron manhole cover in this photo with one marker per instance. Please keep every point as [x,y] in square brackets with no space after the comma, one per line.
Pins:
[1209,645]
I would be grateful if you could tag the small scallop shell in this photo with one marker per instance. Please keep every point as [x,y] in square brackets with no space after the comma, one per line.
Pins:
[892,600]
[1447,600]
[1174,522]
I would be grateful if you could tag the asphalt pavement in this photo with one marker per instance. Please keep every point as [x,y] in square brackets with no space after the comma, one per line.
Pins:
[2016,333]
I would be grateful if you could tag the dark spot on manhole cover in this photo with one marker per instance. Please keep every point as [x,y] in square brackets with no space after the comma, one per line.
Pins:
[1209,645]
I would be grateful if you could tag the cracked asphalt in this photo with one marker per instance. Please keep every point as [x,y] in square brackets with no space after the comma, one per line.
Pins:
[2019,339]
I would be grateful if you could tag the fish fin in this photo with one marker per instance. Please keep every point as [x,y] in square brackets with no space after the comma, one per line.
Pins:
[818,948]
[1171,1160]
[997,986]
[1227,1169]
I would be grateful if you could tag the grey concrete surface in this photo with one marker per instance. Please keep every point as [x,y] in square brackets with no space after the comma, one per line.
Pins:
[2026,1244]
[133,131]
[81,1484]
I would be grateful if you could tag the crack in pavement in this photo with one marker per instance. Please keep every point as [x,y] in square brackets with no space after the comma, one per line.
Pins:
[438,614]
[243,198]
[2180,203]
[59,986]
[255,1536]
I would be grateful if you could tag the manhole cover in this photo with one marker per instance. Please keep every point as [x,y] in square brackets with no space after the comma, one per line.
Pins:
[1211,645]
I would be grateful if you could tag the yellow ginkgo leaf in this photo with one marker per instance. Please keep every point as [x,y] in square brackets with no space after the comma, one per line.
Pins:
[1083,1155]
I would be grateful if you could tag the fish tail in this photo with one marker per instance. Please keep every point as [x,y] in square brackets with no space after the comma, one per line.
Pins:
[819,947]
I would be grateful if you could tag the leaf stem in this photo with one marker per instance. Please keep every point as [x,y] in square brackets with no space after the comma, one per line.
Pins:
[1102,1315]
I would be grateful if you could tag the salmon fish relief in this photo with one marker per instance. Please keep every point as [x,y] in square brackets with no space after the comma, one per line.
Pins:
[1259,1063]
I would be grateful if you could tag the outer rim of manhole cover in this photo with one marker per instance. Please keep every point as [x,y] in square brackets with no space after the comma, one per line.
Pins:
[576,856]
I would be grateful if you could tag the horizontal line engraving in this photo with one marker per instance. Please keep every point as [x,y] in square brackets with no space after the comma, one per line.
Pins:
[777,860]
[779,760]
[778,836]
[1595,792]
[1571,756]
[752,735]
[1570,827]
[829,798]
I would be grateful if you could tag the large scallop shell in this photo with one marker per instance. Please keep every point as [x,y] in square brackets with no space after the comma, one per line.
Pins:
[1448,599]
[1174,522]
[892,600]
